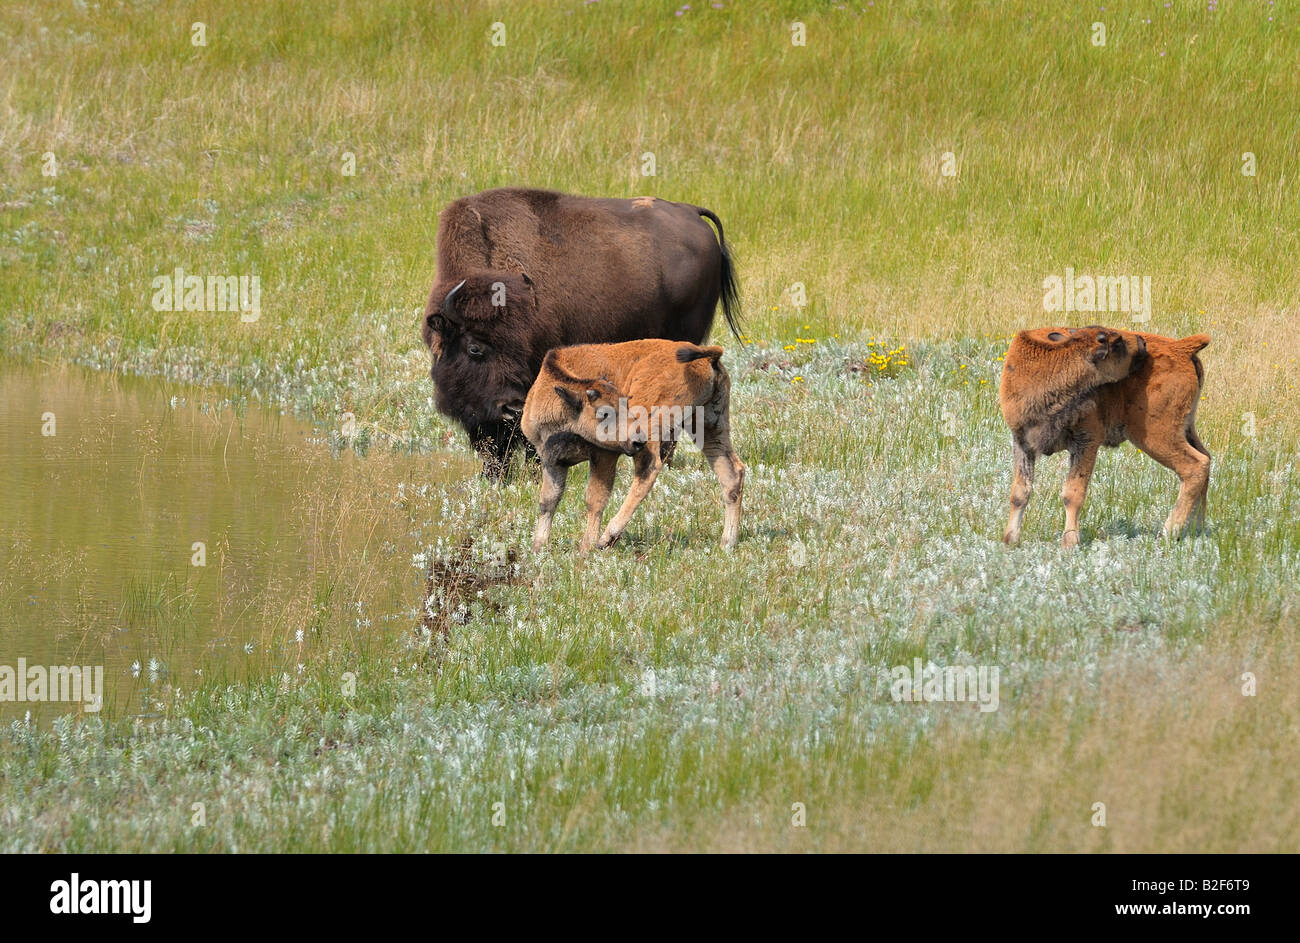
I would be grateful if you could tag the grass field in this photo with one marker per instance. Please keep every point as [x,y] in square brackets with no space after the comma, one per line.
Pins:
[665,695]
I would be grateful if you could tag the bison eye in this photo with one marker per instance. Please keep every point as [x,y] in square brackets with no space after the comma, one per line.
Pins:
[476,351]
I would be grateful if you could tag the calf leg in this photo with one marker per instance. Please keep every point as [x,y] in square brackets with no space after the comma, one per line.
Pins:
[599,486]
[1022,487]
[558,453]
[646,466]
[1198,513]
[1083,456]
[1192,466]
[554,478]
[730,471]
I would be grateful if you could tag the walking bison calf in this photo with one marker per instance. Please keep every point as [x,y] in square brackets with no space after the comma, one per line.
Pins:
[522,271]
[594,402]
[1079,389]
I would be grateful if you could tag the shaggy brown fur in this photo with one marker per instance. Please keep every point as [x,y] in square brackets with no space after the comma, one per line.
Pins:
[1060,391]
[580,390]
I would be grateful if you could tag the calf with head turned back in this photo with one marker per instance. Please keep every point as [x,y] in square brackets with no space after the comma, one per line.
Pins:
[594,402]
[1079,389]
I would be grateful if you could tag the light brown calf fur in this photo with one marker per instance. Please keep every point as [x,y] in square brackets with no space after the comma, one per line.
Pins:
[577,385]
[1079,389]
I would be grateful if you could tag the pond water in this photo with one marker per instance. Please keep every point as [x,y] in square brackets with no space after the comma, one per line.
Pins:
[158,534]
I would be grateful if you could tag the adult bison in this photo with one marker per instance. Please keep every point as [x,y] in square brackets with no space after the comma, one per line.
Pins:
[523,271]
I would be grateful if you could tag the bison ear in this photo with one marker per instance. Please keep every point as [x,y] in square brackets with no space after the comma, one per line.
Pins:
[571,399]
[432,333]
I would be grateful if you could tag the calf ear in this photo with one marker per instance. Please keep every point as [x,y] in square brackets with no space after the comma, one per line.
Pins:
[570,398]
[1102,350]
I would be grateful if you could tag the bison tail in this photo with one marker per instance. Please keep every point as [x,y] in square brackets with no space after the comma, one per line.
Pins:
[689,352]
[730,289]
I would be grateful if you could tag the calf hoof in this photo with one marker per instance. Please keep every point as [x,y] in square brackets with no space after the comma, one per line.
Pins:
[1070,539]
[1010,539]
[608,541]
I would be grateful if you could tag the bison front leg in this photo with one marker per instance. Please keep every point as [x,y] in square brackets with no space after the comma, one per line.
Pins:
[647,465]
[1083,457]
[554,478]
[1022,487]
[600,485]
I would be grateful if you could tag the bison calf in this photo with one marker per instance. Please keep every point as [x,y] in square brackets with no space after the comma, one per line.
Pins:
[593,402]
[1080,389]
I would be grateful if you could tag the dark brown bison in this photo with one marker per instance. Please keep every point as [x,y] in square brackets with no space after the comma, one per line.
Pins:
[523,271]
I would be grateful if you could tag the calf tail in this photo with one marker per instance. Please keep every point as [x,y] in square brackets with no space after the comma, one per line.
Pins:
[689,352]
[1191,346]
[730,290]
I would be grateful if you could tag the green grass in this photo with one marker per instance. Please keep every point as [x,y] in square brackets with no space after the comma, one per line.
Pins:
[874,499]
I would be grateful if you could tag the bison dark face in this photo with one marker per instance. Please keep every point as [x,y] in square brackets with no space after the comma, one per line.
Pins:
[483,359]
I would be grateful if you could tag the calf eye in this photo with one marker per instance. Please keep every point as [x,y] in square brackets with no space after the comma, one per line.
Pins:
[1056,336]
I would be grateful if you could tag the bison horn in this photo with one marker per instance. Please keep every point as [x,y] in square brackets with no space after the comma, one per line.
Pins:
[447,304]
